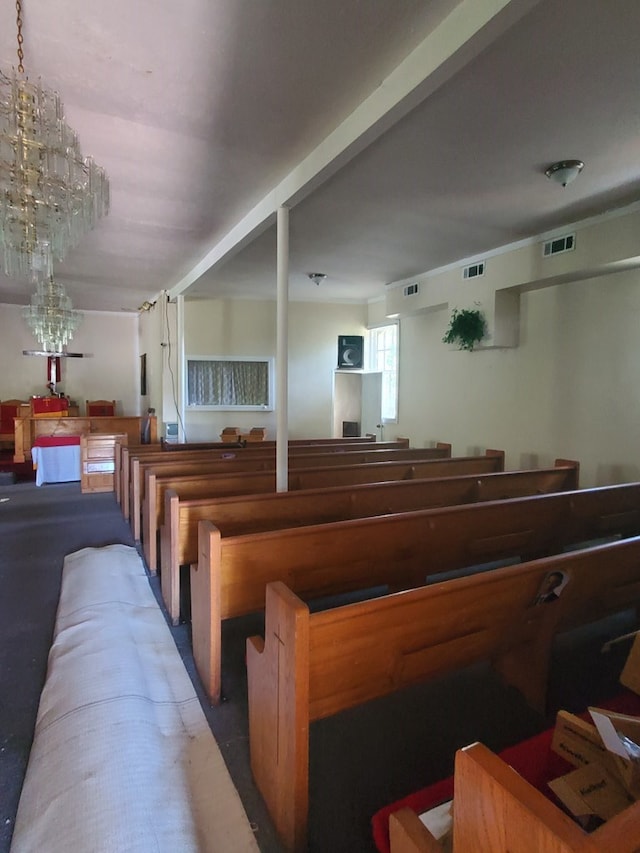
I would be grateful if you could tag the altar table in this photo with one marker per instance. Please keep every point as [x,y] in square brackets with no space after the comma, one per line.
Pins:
[56,459]
[28,430]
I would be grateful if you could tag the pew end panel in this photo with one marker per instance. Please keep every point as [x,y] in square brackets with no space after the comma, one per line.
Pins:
[97,461]
[206,616]
[570,463]
[496,810]
[407,834]
[340,658]
[279,713]
[496,454]
[149,512]
[170,580]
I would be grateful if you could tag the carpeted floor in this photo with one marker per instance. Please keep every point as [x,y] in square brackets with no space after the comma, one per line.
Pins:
[360,759]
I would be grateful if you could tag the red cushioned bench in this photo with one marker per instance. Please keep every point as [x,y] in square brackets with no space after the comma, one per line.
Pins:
[532,759]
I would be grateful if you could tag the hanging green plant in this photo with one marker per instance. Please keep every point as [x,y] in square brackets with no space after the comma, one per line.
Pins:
[467,327]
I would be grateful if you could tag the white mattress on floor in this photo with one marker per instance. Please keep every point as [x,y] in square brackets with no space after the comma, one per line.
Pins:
[123,758]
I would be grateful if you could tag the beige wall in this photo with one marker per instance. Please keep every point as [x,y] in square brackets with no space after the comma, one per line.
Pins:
[108,370]
[569,389]
[248,328]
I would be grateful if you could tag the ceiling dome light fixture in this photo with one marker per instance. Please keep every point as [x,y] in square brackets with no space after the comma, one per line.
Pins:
[50,195]
[564,171]
[317,277]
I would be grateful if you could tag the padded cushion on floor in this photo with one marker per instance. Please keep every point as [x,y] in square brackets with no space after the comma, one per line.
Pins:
[123,758]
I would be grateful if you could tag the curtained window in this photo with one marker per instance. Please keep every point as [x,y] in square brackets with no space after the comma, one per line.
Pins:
[229,383]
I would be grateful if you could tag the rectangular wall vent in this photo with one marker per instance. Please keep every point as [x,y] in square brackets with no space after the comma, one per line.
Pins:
[473,270]
[411,289]
[566,243]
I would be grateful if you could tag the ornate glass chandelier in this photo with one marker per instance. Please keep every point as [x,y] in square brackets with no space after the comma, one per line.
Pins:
[49,194]
[51,317]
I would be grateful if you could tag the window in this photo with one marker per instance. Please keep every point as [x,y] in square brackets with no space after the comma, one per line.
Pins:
[225,383]
[383,358]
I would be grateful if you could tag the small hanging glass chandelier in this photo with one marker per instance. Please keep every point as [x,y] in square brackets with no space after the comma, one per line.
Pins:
[51,316]
[49,194]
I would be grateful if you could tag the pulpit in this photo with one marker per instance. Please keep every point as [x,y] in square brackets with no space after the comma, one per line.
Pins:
[49,407]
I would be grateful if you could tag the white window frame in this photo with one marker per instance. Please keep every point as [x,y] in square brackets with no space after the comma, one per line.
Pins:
[373,365]
[268,360]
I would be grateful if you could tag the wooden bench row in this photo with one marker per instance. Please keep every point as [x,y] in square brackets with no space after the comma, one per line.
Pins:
[222,449]
[310,666]
[176,504]
[200,462]
[179,543]
[401,551]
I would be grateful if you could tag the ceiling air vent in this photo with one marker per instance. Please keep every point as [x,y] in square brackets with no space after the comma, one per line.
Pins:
[566,243]
[473,270]
[411,289]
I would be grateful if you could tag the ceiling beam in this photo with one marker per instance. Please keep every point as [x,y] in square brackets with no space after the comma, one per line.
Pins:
[469,28]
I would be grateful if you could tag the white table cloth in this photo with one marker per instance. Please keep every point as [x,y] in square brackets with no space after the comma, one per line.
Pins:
[58,464]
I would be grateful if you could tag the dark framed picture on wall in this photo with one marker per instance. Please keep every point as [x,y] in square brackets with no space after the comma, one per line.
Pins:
[143,375]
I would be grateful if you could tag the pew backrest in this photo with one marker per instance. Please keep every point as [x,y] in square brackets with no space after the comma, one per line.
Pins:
[310,666]
[238,514]
[246,460]
[201,487]
[402,550]
[298,446]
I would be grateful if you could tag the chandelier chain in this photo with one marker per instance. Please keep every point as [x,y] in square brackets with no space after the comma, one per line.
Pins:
[50,194]
[20,36]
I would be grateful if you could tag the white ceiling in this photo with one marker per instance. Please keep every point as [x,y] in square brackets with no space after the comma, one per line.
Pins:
[208,114]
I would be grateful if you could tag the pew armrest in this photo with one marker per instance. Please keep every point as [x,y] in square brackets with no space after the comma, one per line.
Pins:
[407,834]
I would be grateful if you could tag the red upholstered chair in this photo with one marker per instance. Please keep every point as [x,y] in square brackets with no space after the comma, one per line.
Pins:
[9,409]
[101,408]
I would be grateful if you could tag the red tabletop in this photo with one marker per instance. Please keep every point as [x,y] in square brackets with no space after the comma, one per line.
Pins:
[56,440]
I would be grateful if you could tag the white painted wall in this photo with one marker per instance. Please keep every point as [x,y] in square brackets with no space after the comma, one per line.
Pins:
[569,390]
[109,369]
[248,328]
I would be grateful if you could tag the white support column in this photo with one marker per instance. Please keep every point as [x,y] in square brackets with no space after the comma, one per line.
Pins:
[181,367]
[282,353]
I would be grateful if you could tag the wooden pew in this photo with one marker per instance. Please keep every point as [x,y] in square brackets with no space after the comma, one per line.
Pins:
[179,536]
[143,449]
[246,460]
[194,483]
[497,811]
[309,445]
[311,666]
[401,551]
[97,461]
[241,513]
[225,451]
